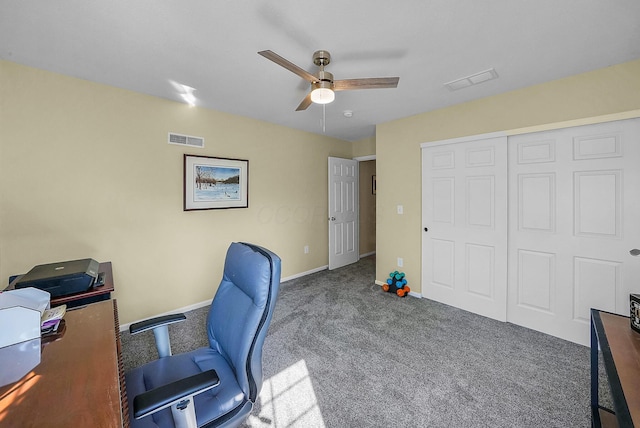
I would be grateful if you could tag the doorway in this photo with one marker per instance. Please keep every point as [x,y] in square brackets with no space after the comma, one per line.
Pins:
[367,215]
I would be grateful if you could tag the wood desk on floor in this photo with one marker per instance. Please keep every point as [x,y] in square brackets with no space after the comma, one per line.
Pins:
[80,379]
[620,347]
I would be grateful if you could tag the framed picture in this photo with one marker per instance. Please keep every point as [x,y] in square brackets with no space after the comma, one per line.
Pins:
[215,183]
[373,184]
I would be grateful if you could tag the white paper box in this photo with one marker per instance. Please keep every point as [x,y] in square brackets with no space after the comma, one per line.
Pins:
[20,318]
[18,360]
[30,297]
[18,324]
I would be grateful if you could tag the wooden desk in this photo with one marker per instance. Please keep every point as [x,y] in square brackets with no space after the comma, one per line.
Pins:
[102,292]
[80,379]
[620,348]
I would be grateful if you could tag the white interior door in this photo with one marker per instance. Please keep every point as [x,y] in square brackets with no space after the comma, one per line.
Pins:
[343,212]
[574,217]
[464,245]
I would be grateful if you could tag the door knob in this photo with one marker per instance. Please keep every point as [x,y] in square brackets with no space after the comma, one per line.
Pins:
[635,252]
[332,219]
[426,229]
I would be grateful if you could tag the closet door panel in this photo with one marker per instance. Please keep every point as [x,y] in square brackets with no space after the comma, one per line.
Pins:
[574,201]
[464,212]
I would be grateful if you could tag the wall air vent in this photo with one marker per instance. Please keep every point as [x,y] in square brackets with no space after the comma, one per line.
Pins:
[186,140]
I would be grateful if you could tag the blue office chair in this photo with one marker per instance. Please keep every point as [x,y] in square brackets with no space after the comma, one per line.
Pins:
[215,386]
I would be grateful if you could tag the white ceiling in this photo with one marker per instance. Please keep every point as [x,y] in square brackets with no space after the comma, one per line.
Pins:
[212,45]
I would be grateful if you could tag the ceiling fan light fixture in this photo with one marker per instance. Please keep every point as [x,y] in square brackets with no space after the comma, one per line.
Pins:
[322,83]
[322,93]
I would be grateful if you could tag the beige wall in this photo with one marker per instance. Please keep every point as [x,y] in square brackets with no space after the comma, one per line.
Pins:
[86,171]
[367,208]
[584,98]
[364,147]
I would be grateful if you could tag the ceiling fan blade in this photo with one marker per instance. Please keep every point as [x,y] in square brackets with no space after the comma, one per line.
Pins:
[367,83]
[305,103]
[288,65]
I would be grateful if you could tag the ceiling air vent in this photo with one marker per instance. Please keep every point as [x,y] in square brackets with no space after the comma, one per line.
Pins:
[186,140]
[474,79]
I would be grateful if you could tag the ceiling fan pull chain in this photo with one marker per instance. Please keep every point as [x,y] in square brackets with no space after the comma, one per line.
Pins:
[324,118]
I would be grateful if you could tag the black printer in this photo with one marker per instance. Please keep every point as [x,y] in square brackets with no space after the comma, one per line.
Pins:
[62,278]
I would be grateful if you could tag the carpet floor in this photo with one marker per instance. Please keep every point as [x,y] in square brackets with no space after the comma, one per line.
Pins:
[342,353]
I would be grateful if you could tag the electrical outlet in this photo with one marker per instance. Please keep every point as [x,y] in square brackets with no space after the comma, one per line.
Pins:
[400,262]
[306,249]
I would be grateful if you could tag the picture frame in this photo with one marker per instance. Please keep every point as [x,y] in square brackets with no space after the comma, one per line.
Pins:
[373,184]
[215,183]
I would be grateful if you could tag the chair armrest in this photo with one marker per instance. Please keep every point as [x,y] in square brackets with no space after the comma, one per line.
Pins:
[152,323]
[164,396]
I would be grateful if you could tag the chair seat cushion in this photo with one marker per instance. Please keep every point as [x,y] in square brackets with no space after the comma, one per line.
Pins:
[210,405]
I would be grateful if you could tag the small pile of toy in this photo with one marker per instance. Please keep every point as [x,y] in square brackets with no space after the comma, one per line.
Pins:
[396,283]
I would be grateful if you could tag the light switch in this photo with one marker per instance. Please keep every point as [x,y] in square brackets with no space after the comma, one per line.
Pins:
[400,209]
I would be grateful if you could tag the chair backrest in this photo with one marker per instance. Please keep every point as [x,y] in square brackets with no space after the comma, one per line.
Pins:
[242,309]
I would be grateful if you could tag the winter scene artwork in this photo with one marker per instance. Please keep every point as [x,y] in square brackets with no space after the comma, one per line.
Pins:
[215,183]
[212,183]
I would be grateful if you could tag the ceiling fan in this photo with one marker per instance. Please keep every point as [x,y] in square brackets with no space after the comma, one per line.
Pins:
[322,83]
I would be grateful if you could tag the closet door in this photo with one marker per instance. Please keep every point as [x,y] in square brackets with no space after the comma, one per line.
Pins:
[574,198]
[464,245]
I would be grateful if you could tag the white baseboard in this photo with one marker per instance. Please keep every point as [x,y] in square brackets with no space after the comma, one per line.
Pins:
[362,256]
[309,272]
